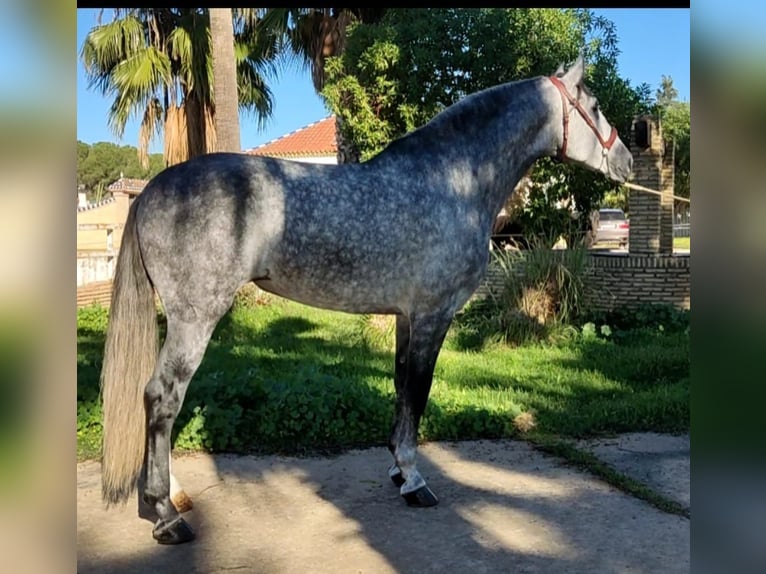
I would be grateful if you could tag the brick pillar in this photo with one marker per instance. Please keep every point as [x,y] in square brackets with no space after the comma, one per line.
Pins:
[666,199]
[651,215]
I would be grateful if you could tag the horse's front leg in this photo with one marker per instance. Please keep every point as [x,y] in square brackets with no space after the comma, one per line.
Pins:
[400,376]
[418,342]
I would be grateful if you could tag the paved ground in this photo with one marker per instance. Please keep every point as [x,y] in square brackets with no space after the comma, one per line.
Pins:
[659,461]
[504,508]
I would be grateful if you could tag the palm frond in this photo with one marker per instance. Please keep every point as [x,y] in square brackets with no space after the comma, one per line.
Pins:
[310,35]
[183,126]
[189,45]
[106,46]
[156,63]
[254,95]
[262,54]
[136,81]
[280,24]
[202,55]
[276,21]
[176,144]
[246,19]
[150,125]
[180,52]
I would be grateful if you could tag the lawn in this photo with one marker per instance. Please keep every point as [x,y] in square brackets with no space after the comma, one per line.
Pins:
[682,242]
[283,377]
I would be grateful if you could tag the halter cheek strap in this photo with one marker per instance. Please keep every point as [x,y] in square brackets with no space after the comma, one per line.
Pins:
[566,96]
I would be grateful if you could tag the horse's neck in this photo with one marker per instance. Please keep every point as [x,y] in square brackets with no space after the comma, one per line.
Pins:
[498,136]
[506,170]
[519,133]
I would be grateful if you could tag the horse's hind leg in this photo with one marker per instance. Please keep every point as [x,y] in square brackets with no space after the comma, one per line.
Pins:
[179,359]
[418,342]
[178,496]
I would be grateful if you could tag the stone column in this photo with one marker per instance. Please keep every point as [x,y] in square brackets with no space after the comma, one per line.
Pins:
[651,215]
[666,199]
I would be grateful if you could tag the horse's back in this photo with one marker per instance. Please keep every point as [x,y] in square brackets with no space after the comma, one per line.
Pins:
[352,237]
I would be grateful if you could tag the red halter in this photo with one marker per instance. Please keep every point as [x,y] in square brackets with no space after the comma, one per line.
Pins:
[565,95]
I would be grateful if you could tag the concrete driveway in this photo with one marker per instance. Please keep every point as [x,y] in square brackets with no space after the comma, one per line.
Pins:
[505,507]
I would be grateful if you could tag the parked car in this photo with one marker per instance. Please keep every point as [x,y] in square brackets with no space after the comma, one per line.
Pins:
[613,227]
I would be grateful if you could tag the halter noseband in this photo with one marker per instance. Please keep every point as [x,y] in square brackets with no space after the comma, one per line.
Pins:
[565,95]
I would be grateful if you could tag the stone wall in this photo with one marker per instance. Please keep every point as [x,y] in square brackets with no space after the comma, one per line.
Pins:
[95,267]
[619,280]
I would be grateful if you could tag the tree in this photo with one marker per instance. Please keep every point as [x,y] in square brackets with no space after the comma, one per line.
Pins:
[397,74]
[225,96]
[666,93]
[155,63]
[102,163]
[100,167]
[83,150]
[312,36]
[676,130]
[675,119]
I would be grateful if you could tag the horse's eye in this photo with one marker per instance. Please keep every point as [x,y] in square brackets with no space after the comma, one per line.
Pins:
[595,110]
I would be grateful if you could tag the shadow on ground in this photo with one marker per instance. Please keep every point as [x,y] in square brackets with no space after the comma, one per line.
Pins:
[504,508]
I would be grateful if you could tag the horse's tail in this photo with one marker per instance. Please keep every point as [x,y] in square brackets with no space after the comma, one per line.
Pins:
[130,354]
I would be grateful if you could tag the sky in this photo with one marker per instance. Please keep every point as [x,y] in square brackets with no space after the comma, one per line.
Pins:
[652,42]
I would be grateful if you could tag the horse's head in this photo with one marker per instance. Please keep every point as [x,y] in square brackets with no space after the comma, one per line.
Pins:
[587,136]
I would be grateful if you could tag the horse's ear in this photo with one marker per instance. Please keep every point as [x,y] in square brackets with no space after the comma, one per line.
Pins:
[574,75]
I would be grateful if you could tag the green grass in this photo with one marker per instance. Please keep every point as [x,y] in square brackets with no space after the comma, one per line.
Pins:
[682,242]
[289,378]
[678,243]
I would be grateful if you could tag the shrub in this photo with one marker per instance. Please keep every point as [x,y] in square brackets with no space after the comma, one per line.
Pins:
[541,296]
[305,407]
[92,318]
[633,322]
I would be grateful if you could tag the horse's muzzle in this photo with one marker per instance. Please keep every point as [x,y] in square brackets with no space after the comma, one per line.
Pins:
[620,163]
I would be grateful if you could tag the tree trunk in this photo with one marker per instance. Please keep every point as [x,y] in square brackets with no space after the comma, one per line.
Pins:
[195,125]
[347,151]
[225,93]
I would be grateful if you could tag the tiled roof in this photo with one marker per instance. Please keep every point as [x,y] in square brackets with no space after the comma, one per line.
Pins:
[315,139]
[90,206]
[128,185]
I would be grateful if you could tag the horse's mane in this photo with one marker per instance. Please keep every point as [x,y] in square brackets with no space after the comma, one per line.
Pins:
[472,112]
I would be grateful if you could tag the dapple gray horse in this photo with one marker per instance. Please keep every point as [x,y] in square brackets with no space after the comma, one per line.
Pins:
[405,233]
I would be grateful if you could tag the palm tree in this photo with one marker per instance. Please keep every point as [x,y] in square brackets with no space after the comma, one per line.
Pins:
[313,35]
[156,63]
[667,93]
[224,80]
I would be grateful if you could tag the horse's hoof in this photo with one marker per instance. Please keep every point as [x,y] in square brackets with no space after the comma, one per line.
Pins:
[396,476]
[182,502]
[423,497]
[177,532]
